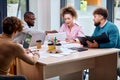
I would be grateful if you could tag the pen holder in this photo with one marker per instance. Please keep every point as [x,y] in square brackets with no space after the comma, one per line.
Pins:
[51,46]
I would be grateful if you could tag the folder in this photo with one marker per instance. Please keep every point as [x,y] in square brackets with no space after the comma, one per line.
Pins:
[99,39]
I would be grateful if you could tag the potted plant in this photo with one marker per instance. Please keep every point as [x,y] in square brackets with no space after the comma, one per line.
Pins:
[12,1]
[12,6]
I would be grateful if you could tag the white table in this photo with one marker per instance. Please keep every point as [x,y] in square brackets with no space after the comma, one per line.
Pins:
[102,65]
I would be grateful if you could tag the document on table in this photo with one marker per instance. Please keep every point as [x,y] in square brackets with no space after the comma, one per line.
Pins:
[56,55]
[60,36]
[64,52]
[69,45]
[46,54]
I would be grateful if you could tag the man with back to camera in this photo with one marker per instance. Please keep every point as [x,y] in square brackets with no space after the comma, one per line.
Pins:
[29,21]
[10,49]
[103,25]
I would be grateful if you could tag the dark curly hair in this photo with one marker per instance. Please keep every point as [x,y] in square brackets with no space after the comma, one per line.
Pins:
[101,11]
[11,24]
[27,14]
[68,10]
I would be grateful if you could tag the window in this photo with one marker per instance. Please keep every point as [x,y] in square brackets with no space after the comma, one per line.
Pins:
[16,8]
[117,13]
[85,9]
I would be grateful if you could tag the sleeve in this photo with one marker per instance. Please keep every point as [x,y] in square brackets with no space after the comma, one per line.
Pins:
[31,31]
[62,28]
[95,31]
[81,32]
[20,53]
[113,35]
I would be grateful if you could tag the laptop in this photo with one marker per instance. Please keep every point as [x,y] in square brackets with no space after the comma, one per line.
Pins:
[37,36]
[30,40]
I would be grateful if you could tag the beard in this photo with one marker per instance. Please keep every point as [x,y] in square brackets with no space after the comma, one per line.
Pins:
[97,23]
[30,24]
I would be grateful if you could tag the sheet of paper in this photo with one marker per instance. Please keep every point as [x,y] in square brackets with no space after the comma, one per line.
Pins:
[44,54]
[69,45]
[66,51]
[56,55]
[60,36]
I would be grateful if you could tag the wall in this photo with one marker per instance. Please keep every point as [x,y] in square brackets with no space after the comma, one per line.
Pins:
[85,18]
[55,14]
[47,14]
[94,2]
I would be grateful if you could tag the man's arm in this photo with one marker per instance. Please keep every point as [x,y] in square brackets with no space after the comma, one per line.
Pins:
[20,53]
[113,35]
[30,31]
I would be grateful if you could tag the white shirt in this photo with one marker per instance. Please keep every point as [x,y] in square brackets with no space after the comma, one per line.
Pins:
[104,24]
[21,36]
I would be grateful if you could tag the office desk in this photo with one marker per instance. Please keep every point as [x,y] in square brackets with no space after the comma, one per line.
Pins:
[102,65]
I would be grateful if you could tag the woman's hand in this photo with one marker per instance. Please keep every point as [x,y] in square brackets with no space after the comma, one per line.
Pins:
[70,40]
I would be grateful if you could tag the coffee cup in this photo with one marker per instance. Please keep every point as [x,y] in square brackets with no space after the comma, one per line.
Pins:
[58,47]
[38,44]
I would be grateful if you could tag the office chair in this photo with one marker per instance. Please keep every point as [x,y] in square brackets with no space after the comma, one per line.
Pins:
[12,77]
[118,72]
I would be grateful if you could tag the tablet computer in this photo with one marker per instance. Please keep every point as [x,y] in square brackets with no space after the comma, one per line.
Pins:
[78,49]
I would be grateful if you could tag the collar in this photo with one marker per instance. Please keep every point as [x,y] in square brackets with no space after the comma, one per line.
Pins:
[25,23]
[104,24]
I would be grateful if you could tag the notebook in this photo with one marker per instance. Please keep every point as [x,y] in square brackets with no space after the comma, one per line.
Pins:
[99,39]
